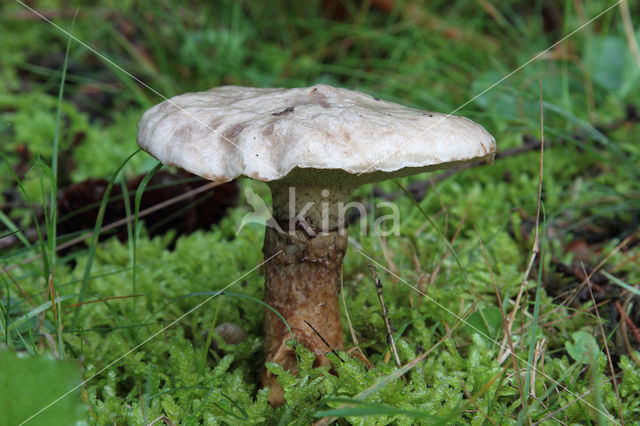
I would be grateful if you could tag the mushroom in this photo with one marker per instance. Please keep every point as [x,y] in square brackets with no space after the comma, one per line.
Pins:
[313,146]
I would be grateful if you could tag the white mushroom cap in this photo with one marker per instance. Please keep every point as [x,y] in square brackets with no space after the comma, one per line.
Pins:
[297,134]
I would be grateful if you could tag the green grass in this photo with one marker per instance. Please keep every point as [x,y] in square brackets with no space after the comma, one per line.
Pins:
[468,241]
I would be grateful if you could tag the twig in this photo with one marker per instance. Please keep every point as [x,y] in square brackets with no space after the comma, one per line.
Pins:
[86,302]
[53,297]
[630,323]
[628,31]
[600,264]
[357,348]
[324,341]
[625,337]
[388,258]
[385,314]
[125,220]
[422,278]
[537,356]
[52,344]
[24,293]
[606,348]
[535,250]
[346,312]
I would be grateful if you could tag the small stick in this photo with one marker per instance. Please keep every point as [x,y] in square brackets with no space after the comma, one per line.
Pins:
[537,356]
[346,312]
[53,297]
[324,341]
[24,293]
[625,337]
[385,314]
[630,323]
[600,264]
[628,30]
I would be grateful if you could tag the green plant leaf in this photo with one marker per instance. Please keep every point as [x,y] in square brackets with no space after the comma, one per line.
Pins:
[487,322]
[29,384]
[606,58]
[584,348]
[621,283]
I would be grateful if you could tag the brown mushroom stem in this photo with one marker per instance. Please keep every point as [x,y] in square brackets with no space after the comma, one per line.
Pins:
[301,282]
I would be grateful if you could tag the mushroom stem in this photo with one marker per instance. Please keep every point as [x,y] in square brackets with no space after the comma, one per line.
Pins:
[301,282]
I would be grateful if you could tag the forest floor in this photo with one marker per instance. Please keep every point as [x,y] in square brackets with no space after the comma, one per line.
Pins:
[513,288]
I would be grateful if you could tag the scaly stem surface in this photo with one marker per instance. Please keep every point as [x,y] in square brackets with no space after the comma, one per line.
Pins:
[301,282]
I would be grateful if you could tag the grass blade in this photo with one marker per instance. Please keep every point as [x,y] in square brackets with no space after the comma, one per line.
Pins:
[94,239]
[53,196]
[618,281]
[6,220]
[34,312]
[136,227]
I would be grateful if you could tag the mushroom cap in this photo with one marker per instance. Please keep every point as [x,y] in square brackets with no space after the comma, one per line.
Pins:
[307,135]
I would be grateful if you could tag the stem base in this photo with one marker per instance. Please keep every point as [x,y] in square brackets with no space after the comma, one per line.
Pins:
[302,284]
